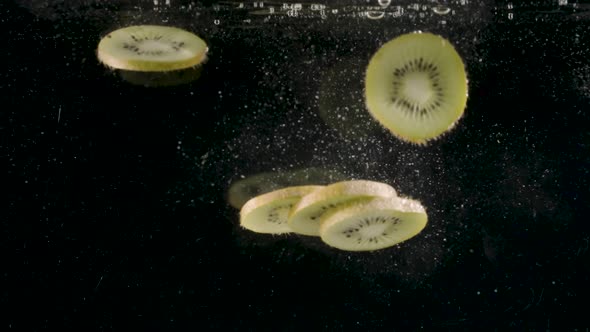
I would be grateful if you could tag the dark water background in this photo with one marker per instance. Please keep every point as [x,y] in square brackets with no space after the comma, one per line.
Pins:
[115,213]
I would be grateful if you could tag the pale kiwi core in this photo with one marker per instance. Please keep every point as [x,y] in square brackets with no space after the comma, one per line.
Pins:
[417,87]
[374,230]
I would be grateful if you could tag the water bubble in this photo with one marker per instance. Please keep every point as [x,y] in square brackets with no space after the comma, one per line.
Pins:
[384,3]
[441,10]
[375,15]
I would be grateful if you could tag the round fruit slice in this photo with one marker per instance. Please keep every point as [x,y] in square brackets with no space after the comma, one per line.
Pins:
[151,48]
[306,216]
[268,213]
[377,224]
[416,86]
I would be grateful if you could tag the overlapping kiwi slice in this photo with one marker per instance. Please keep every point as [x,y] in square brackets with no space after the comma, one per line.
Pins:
[308,213]
[268,213]
[376,224]
[416,86]
[151,48]
[350,215]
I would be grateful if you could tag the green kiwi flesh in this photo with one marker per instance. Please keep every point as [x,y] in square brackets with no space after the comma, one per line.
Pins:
[307,215]
[376,224]
[151,48]
[416,86]
[268,212]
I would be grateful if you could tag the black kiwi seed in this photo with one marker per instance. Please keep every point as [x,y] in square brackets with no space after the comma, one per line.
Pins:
[273,214]
[137,50]
[325,208]
[368,221]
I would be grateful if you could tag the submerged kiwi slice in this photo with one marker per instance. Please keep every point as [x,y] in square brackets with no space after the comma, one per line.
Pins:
[372,225]
[416,86]
[268,213]
[242,190]
[306,216]
[151,48]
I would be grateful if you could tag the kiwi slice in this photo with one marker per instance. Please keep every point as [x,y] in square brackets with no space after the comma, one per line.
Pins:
[306,216]
[416,86]
[242,190]
[372,225]
[151,48]
[268,213]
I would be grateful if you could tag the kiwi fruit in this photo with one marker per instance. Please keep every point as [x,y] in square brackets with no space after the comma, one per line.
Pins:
[268,212]
[416,86]
[242,190]
[306,216]
[374,224]
[151,48]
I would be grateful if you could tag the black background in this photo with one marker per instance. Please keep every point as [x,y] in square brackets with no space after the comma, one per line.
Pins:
[114,212]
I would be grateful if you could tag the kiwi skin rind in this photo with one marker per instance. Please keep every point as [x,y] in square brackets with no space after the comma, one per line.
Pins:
[152,65]
[397,205]
[372,105]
